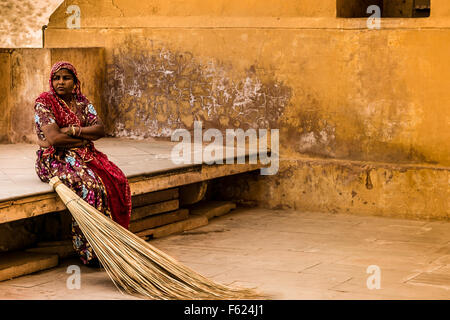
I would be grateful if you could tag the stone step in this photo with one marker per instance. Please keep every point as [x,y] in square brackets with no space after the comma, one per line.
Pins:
[174,228]
[154,197]
[16,264]
[159,220]
[64,249]
[54,243]
[397,190]
[192,193]
[211,209]
[152,209]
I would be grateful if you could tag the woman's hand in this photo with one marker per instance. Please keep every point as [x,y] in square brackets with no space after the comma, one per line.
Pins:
[43,143]
[79,144]
[72,131]
[65,130]
[57,138]
[92,133]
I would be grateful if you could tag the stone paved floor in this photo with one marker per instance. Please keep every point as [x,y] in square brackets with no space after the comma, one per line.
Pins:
[288,255]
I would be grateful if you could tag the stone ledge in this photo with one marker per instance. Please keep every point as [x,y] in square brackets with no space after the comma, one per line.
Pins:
[62,249]
[211,209]
[174,228]
[16,264]
[408,191]
[155,197]
[159,220]
[154,209]
[32,198]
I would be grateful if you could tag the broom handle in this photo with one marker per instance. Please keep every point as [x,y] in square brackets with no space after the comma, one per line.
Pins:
[54,182]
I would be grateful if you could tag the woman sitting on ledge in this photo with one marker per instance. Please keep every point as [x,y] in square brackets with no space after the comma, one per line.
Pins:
[66,124]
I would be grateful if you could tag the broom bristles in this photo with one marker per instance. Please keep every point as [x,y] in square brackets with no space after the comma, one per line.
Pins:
[137,267]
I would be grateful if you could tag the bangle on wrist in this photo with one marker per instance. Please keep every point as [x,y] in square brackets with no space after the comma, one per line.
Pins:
[79,131]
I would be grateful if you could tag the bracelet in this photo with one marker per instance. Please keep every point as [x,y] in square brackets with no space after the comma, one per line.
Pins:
[73,130]
[79,131]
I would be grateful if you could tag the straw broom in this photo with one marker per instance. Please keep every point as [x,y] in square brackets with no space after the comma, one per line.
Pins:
[135,266]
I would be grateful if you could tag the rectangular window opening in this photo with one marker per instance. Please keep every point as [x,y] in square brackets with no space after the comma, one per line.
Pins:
[388,8]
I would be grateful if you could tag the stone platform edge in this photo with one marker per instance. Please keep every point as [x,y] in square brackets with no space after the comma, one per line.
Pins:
[32,205]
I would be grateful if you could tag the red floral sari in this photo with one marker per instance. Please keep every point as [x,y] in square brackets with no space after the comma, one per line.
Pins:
[85,170]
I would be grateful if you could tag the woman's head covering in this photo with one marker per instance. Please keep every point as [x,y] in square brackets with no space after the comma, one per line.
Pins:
[65,65]
[63,115]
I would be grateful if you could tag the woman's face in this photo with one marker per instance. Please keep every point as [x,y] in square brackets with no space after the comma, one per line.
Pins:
[63,82]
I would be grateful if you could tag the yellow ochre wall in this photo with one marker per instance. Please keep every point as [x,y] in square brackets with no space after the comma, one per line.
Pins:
[363,114]
[5,114]
[334,88]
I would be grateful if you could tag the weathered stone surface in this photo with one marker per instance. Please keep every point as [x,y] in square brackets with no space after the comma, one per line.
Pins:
[192,193]
[17,264]
[63,251]
[154,197]
[42,244]
[159,220]
[210,209]
[142,184]
[310,248]
[29,206]
[152,209]
[432,279]
[26,233]
[359,113]
[173,228]
[323,185]
[23,195]
[17,234]
[21,23]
